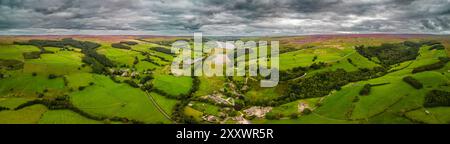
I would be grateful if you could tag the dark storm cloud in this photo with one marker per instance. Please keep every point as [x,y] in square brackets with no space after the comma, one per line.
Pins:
[219,17]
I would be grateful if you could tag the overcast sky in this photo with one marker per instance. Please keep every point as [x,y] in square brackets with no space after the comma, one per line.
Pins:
[220,17]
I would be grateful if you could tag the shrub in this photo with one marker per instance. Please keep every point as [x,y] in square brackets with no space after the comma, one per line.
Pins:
[365,90]
[80,88]
[52,76]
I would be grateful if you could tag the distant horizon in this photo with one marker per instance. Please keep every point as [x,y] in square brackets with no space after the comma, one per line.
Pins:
[293,35]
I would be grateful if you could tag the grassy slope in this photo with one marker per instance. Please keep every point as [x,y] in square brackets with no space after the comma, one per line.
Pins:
[173,85]
[110,99]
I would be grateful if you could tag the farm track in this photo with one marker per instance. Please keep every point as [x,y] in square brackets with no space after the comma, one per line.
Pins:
[160,109]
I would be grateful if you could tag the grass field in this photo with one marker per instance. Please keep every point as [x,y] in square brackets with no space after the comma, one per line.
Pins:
[65,117]
[156,96]
[173,85]
[110,99]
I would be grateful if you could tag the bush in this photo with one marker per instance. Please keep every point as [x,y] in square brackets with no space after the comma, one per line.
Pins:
[413,82]
[80,88]
[34,74]
[131,83]
[52,76]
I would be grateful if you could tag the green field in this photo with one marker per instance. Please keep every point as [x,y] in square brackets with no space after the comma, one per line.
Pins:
[138,86]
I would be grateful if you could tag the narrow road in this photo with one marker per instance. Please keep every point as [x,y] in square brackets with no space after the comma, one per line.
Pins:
[160,109]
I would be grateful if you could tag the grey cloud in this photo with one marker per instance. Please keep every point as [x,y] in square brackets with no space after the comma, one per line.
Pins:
[219,17]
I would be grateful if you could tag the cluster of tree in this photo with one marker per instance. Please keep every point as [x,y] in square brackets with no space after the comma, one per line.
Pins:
[365,90]
[11,64]
[96,60]
[163,50]
[437,98]
[148,59]
[434,66]
[120,46]
[146,79]
[413,82]
[323,83]
[437,47]
[129,42]
[3,108]
[390,54]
